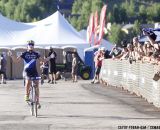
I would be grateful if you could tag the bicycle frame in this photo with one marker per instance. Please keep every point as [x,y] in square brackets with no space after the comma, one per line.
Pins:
[33,97]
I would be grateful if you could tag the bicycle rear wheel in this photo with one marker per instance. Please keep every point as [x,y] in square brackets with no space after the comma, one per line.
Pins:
[32,109]
[32,101]
[35,102]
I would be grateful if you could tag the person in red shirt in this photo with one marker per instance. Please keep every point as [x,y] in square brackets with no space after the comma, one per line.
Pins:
[98,64]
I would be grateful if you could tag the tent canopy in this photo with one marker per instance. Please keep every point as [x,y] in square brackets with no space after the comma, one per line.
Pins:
[54,30]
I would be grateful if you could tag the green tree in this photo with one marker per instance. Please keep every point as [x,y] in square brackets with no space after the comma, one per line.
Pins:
[110,17]
[85,13]
[143,14]
[137,27]
[96,6]
[27,10]
[17,13]
[2,7]
[135,31]
[76,4]
[129,6]
[116,34]
[74,21]
[9,8]
[119,14]
[84,8]
[153,13]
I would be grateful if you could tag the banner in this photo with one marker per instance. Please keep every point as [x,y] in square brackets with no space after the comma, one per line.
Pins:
[90,28]
[102,23]
[95,27]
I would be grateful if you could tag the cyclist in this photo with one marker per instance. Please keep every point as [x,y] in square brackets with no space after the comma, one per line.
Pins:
[30,70]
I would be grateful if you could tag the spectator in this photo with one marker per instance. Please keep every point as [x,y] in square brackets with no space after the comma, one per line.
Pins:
[98,63]
[3,64]
[45,71]
[135,43]
[155,56]
[52,65]
[74,67]
[145,48]
[139,53]
[131,53]
[149,47]
[147,58]
[151,36]
[115,51]
[125,54]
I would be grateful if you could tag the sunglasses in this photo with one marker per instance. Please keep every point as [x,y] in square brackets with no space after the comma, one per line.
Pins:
[30,44]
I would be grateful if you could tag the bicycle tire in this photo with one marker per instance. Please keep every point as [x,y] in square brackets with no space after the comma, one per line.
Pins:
[35,102]
[32,109]
[32,101]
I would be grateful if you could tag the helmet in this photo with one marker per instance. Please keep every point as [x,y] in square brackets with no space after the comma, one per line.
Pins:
[31,42]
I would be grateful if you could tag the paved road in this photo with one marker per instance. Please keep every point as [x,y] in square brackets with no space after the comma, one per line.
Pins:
[75,106]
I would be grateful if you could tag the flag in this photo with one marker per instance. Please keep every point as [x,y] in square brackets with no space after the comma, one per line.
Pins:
[90,28]
[102,23]
[95,27]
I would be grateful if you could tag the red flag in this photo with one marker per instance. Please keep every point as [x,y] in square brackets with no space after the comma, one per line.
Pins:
[90,28]
[102,23]
[95,27]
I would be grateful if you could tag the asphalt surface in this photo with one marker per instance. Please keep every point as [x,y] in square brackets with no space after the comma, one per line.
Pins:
[76,106]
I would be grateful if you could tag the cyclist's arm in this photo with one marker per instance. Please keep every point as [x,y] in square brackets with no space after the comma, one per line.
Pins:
[16,59]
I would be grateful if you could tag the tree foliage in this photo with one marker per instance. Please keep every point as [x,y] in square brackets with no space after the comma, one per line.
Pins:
[117,35]
[118,11]
[129,7]
[27,10]
[84,8]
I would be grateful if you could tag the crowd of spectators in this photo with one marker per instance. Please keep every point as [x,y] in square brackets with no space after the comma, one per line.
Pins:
[148,51]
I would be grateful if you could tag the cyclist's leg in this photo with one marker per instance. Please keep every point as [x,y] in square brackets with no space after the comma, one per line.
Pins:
[37,92]
[27,86]
[37,89]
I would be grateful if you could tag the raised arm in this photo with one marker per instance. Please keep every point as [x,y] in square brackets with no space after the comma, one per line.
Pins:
[14,58]
[150,39]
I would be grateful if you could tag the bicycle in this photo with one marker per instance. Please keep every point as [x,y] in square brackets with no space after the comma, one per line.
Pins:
[33,97]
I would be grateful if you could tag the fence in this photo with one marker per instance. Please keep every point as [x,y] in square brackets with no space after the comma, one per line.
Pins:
[136,78]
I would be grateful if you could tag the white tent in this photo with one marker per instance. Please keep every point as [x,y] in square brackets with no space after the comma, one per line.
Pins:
[104,43]
[54,30]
